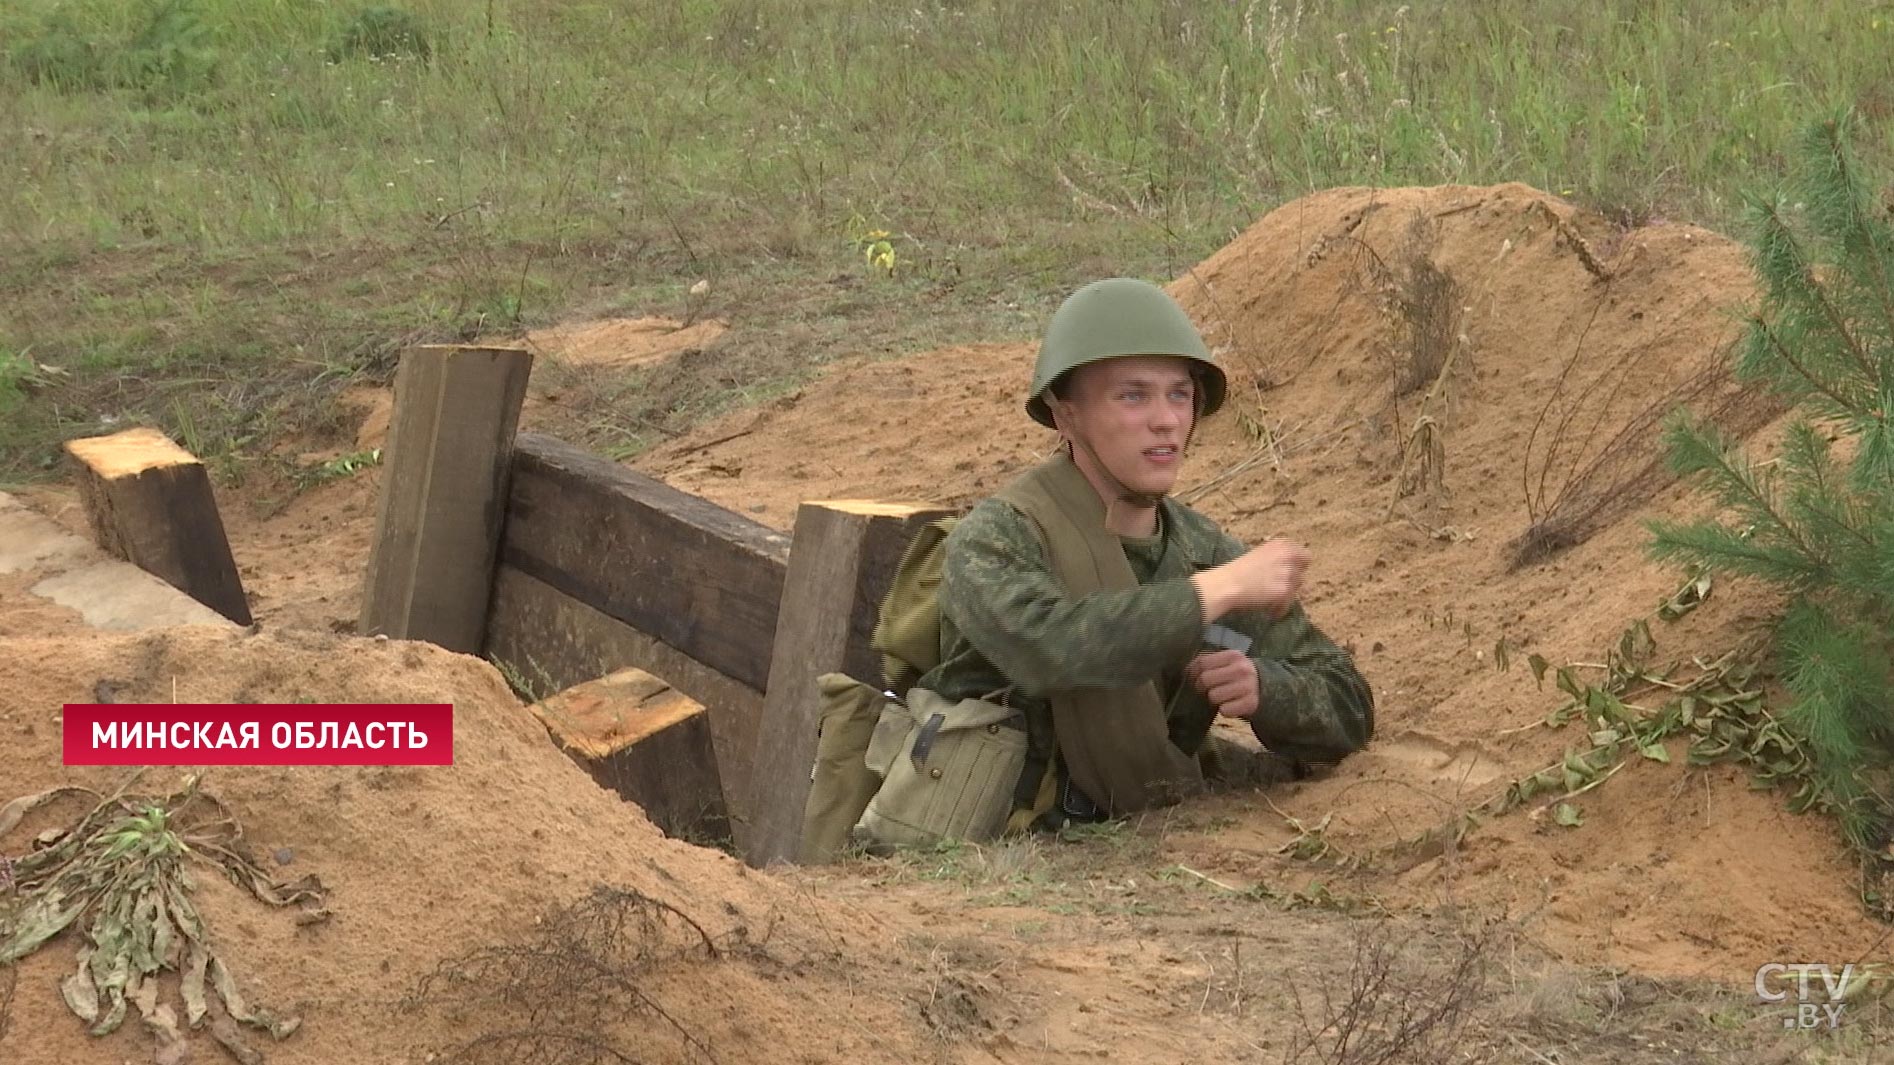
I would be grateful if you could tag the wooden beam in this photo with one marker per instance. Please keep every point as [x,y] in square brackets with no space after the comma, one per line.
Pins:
[705,580]
[551,641]
[647,741]
[443,493]
[822,611]
[150,503]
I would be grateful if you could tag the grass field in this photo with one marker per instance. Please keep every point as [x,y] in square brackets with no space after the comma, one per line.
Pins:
[218,213]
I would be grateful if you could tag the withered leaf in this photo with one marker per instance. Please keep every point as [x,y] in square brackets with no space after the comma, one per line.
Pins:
[191,985]
[81,995]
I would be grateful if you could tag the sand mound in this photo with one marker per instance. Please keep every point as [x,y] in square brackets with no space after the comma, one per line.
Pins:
[422,864]
[1571,338]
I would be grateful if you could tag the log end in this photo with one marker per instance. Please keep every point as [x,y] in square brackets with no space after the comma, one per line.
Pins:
[871,508]
[129,453]
[599,718]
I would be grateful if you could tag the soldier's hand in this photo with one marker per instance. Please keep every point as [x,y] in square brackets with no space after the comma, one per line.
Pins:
[1266,578]
[1228,680]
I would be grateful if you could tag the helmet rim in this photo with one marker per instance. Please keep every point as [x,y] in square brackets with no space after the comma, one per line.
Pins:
[1120,317]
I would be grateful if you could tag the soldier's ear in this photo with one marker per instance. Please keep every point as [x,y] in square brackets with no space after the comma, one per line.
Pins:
[1062,413]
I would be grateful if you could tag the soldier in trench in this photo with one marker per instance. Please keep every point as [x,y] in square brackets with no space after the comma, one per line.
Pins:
[1118,621]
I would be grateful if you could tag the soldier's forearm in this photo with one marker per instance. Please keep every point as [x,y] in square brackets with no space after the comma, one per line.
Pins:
[1104,640]
[1314,711]
[1217,593]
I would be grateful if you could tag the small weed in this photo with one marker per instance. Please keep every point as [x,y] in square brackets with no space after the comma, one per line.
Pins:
[1311,843]
[20,377]
[336,469]
[531,689]
[59,56]
[874,245]
[1116,831]
[380,32]
[169,52]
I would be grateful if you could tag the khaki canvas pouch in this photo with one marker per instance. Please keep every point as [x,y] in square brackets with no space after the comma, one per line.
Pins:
[841,785]
[948,771]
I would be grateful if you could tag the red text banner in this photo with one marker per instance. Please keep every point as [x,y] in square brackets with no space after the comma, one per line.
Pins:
[259,734]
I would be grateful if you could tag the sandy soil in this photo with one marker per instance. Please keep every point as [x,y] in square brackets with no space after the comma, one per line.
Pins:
[1130,947]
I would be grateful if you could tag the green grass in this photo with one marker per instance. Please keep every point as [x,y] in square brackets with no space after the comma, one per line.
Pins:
[202,194]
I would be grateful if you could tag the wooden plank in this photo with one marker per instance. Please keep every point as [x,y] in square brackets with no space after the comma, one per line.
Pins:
[647,741]
[443,490]
[705,580]
[551,641]
[820,619]
[150,503]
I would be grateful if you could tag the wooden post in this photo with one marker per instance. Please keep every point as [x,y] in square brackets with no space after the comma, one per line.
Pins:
[822,607]
[150,503]
[443,494]
[647,741]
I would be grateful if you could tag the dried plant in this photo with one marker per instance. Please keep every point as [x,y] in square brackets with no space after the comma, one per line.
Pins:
[122,873]
[556,998]
[1391,1008]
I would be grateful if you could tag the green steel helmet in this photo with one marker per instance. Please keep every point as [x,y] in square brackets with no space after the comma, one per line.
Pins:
[1114,318]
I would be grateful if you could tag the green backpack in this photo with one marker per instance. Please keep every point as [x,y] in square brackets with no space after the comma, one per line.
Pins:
[907,633]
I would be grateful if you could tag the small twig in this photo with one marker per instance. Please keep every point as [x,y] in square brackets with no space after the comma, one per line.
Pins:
[1212,881]
[451,215]
[724,439]
[1521,1045]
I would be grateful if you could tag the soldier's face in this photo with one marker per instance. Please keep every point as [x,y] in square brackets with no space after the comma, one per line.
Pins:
[1136,413]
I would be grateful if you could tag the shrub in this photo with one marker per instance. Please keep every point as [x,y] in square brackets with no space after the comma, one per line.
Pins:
[379,32]
[170,51]
[1818,520]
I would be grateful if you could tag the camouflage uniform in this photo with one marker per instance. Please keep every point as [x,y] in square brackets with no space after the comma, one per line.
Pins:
[1006,623]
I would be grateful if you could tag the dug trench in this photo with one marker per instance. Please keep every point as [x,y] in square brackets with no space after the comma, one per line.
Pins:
[1412,430]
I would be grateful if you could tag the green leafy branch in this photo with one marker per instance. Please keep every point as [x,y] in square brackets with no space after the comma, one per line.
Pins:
[1631,711]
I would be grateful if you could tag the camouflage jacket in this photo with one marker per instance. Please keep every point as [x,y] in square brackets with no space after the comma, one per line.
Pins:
[1006,623]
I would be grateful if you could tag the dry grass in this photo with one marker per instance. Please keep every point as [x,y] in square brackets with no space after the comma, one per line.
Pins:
[564,995]
[1425,347]
[1597,488]
[1392,1006]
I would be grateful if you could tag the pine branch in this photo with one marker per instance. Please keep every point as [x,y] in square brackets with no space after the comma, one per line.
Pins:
[1840,671]
[1802,281]
[1792,281]
[1874,458]
[1720,547]
[1853,224]
[1842,546]
[1824,335]
[1703,451]
[1805,457]
[1815,503]
[1878,583]
[1781,351]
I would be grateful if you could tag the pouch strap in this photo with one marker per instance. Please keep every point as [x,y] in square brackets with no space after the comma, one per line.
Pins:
[924,742]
